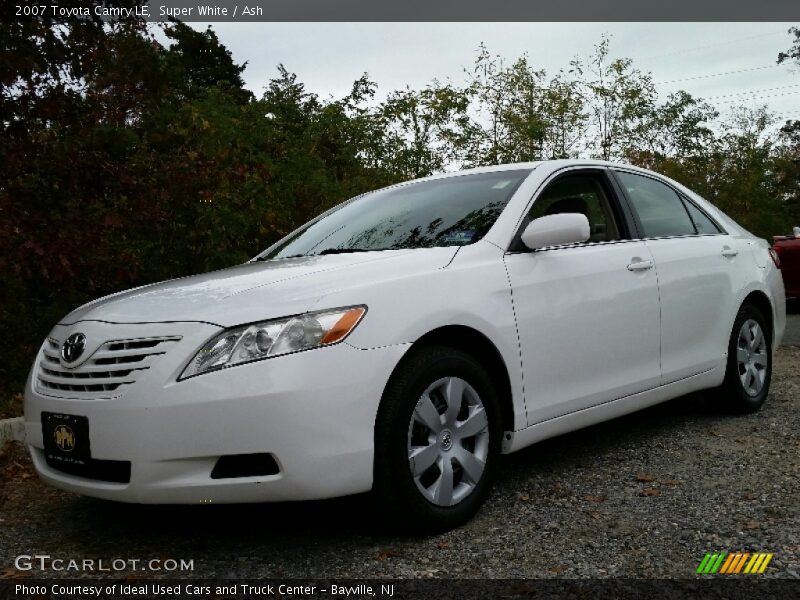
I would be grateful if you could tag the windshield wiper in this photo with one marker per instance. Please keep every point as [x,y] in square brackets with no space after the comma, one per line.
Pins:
[263,258]
[324,252]
[349,250]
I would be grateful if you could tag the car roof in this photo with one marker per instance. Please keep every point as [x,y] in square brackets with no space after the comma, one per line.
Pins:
[557,164]
[551,164]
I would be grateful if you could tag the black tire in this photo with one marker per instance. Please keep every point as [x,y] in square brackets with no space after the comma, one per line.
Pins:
[731,396]
[398,501]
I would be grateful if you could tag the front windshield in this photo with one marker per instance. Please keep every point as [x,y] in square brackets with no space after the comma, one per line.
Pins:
[454,211]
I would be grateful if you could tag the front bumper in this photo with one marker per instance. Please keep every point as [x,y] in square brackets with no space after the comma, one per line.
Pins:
[314,411]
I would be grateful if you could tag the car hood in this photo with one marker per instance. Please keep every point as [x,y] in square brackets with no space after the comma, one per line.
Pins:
[256,291]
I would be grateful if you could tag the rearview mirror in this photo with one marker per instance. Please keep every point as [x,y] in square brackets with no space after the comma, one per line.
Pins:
[556,230]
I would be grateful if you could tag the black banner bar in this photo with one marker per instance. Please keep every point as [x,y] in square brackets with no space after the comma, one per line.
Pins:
[427,10]
[741,587]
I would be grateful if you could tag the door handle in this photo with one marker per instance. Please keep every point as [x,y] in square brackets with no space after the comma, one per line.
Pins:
[729,252]
[640,265]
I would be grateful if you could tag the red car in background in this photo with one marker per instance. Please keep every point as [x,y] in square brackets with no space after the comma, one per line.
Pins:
[788,250]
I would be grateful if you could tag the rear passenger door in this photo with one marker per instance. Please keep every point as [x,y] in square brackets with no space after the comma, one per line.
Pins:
[695,263]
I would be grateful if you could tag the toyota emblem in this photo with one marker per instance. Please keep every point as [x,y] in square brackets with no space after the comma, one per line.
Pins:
[73,347]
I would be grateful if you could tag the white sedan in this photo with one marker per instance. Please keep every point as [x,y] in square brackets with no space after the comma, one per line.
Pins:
[404,339]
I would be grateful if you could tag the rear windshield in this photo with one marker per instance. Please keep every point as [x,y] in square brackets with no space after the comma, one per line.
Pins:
[454,211]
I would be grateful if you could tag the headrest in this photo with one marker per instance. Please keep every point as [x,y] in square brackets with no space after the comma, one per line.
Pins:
[568,205]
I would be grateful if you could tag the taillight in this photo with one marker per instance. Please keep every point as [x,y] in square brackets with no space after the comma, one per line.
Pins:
[775,257]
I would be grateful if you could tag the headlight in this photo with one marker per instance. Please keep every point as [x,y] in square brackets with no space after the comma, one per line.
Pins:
[273,338]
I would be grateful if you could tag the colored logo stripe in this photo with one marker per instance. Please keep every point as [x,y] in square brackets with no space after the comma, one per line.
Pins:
[711,563]
[737,562]
[727,564]
[703,564]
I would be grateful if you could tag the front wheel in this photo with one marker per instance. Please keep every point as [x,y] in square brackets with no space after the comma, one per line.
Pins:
[437,439]
[749,366]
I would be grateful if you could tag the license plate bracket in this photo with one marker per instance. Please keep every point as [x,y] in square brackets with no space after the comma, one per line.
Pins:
[66,438]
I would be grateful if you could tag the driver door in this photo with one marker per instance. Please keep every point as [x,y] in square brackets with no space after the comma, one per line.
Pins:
[587,314]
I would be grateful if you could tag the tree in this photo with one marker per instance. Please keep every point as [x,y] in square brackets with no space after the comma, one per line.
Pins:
[520,115]
[738,174]
[124,162]
[565,104]
[792,53]
[425,127]
[205,62]
[788,169]
[524,111]
[620,98]
[677,129]
[485,137]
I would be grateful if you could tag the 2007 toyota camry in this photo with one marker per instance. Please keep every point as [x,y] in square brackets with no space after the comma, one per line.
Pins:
[404,339]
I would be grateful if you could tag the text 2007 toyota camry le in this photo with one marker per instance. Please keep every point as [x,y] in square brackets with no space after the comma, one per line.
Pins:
[401,341]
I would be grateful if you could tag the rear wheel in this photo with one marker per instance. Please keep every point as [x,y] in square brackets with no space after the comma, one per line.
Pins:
[749,367]
[437,439]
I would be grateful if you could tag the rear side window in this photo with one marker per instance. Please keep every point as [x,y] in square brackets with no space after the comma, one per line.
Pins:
[703,224]
[661,211]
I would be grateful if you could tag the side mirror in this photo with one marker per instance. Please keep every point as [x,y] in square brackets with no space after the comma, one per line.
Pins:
[556,230]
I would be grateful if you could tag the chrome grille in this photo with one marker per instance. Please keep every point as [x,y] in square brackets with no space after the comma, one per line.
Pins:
[113,365]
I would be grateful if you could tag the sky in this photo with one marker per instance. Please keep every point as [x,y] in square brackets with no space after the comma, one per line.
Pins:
[328,57]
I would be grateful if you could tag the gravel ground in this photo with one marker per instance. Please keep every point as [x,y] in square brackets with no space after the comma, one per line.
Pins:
[792,335]
[642,496]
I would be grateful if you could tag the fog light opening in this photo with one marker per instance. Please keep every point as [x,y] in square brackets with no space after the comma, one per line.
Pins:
[244,465]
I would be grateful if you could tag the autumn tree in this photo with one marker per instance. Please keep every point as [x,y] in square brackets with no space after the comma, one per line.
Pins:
[619,96]
[787,169]
[125,162]
[672,132]
[424,128]
[518,114]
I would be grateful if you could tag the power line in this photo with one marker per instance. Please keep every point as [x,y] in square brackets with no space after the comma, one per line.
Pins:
[755,91]
[785,110]
[707,46]
[786,113]
[723,74]
[777,117]
[757,98]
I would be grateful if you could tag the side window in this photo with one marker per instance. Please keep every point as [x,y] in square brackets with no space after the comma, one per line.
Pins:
[580,194]
[660,209]
[702,223]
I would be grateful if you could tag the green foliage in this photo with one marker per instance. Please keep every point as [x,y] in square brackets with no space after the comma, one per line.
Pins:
[518,114]
[423,128]
[787,167]
[204,63]
[737,172]
[125,162]
[793,53]
[621,98]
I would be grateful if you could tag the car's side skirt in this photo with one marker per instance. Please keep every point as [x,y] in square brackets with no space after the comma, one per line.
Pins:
[516,440]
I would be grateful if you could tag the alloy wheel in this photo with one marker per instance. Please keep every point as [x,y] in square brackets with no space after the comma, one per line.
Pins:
[448,441]
[752,357]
